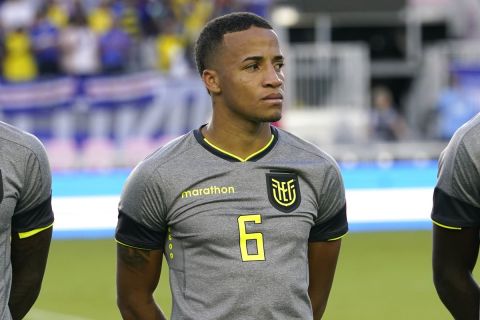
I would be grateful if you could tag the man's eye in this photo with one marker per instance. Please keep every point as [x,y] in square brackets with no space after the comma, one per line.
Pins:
[253,67]
[279,66]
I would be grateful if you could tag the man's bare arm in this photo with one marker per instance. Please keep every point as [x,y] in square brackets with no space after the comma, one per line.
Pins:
[29,259]
[138,272]
[454,256]
[322,260]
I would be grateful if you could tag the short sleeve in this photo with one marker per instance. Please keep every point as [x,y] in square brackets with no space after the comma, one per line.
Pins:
[33,211]
[457,193]
[331,222]
[142,214]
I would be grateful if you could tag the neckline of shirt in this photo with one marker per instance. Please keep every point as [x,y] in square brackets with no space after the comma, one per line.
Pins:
[219,152]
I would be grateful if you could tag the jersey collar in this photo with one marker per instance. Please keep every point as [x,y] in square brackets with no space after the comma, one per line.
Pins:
[219,152]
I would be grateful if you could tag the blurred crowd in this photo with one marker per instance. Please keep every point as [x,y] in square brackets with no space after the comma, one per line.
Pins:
[71,37]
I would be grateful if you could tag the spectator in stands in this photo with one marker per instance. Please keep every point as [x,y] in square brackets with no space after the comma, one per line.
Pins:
[130,22]
[57,13]
[199,12]
[16,14]
[260,7]
[225,6]
[456,105]
[386,123]
[100,19]
[45,36]
[170,45]
[114,49]
[79,45]
[150,12]
[19,62]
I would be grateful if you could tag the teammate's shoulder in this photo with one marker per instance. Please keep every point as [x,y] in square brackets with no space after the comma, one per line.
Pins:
[303,147]
[469,132]
[466,136]
[19,139]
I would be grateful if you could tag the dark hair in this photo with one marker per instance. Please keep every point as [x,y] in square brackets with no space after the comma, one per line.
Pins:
[212,34]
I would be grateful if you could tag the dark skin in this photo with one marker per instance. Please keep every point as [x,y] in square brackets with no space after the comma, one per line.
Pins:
[245,73]
[245,81]
[322,261]
[138,272]
[455,253]
[29,259]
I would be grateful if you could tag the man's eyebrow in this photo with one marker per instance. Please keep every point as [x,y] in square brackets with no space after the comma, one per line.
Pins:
[260,58]
[253,58]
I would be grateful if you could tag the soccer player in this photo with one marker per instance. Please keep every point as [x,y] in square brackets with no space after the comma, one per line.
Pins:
[26,220]
[248,216]
[456,217]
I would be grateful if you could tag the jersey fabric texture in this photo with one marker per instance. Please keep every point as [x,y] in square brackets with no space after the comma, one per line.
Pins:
[456,200]
[235,233]
[25,207]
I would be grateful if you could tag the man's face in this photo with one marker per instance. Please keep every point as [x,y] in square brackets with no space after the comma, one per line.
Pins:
[249,65]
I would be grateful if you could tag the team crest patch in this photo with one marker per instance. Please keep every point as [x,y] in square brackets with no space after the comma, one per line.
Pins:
[283,190]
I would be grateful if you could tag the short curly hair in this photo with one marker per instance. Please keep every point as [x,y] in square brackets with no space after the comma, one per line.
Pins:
[212,34]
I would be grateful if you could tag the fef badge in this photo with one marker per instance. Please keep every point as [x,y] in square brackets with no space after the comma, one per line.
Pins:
[283,190]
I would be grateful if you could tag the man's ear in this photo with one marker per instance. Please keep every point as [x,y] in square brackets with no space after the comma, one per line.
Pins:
[211,80]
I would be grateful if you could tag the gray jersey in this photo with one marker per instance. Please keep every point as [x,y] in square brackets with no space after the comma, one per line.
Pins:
[25,206]
[235,233]
[457,194]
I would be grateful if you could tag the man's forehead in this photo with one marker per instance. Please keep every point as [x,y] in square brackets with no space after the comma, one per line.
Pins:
[249,41]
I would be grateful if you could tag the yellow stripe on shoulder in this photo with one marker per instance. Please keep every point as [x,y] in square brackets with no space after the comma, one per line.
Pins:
[445,226]
[23,235]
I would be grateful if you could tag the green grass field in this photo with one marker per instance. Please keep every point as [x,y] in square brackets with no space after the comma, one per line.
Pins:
[379,276]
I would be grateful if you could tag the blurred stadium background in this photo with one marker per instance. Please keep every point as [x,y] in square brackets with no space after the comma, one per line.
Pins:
[379,84]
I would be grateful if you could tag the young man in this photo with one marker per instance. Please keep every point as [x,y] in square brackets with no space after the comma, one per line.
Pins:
[456,217]
[249,217]
[26,220]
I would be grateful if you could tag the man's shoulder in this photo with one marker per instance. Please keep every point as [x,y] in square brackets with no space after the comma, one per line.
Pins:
[18,139]
[469,132]
[466,137]
[300,147]
[168,153]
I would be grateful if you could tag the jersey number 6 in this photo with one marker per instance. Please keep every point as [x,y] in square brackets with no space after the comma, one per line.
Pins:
[245,237]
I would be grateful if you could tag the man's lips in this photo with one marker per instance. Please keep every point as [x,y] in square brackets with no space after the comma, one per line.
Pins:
[273,96]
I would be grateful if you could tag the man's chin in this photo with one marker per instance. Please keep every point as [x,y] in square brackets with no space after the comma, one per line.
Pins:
[273,118]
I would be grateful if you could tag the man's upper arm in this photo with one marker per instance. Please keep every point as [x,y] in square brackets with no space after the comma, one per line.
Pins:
[331,221]
[33,210]
[455,249]
[138,271]
[322,262]
[456,198]
[140,233]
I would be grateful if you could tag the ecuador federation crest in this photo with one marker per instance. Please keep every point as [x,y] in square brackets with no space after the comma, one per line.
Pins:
[283,190]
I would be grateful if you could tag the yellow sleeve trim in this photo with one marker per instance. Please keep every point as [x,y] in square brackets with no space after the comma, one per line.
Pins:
[23,235]
[338,238]
[129,246]
[446,227]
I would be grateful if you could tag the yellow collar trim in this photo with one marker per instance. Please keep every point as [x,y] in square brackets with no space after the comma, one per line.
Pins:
[237,157]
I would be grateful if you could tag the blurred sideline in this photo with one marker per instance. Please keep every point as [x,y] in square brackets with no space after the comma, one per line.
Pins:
[382,196]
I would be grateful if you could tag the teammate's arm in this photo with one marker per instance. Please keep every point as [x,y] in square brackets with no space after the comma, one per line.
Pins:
[29,259]
[454,255]
[322,261]
[138,272]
